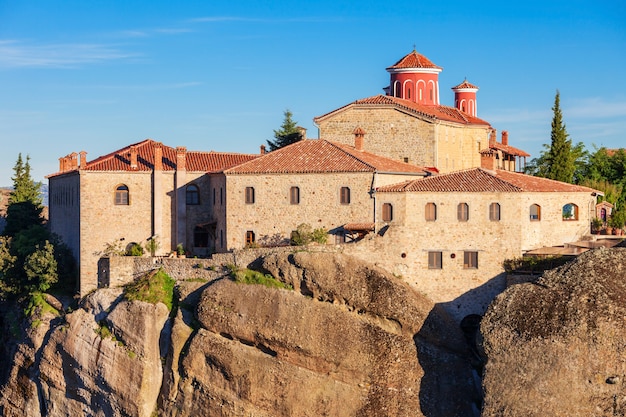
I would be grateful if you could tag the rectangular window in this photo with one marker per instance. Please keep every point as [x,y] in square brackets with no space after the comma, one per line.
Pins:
[345,195]
[221,196]
[434,260]
[387,212]
[470,260]
[249,195]
[249,237]
[431,212]
[294,195]
[214,199]
[340,237]
[462,212]
[494,212]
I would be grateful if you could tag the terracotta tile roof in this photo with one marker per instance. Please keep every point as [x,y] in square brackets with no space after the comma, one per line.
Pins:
[450,114]
[465,84]
[508,149]
[317,156]
[413,60]
[119,160]
[478,180]
[359,227]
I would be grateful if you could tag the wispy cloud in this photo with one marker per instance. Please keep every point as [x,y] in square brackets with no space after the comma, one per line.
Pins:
[16,54]
[595,108]
[149,87]
[217,19]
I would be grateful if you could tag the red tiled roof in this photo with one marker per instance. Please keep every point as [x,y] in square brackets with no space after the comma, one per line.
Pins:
[317,156]
[465,84]
[413,60]
[451,114]
[195,161]
[508,149]
[359,227]
[478,180]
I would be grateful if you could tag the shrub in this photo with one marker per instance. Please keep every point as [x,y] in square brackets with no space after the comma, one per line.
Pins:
[248,276]
[135,249]
[305,234]
[152,288]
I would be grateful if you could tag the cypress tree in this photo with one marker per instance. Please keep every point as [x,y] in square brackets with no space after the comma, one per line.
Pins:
[287,134]
[24,209]
[560,160]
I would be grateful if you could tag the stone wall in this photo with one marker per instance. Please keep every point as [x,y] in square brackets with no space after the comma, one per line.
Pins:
[403,136]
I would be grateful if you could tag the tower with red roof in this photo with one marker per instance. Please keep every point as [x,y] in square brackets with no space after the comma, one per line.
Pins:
[415,78]
[465,97]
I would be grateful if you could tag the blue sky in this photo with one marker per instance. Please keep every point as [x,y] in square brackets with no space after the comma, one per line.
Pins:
[99,75]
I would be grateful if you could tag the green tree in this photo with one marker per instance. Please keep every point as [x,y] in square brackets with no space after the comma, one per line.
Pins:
[560,159]
[41,268]
[24,207]
[287,134]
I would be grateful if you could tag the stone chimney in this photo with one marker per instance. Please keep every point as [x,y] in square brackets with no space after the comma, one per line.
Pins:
[505,137]
[62,164]
[83,159]
[492,137]
[133,157]
[181,157]
[263,150]
[302,132]
[158,157]
[358,138]
[73,160]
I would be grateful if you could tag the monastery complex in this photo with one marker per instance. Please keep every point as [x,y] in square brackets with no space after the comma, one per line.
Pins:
[423,190]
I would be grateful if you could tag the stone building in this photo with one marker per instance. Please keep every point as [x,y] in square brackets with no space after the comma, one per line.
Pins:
[143,191]
[409,124]
[449,234]
[317,182]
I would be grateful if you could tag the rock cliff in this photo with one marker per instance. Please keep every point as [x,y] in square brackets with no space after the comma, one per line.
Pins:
[348,340]
[557,347]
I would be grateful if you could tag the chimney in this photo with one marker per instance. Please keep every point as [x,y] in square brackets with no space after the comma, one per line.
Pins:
[181,156]
[158,157]
[263,150]
[62,164]
[492,137]
[73,160]
[133,157]
[302,132]
[488,160]
[83,159]
[358,138]
[505,137]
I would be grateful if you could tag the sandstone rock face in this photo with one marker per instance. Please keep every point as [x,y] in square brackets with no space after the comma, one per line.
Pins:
[348,340]
[557,347]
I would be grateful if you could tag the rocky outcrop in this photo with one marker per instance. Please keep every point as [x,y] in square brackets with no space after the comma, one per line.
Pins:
[347,340]
[557,347]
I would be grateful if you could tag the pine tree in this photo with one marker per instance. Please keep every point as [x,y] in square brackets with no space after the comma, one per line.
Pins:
[560,158]
[24,209]
[287,134]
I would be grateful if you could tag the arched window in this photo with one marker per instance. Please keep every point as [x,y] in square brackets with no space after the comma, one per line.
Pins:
[494,212]
[535,212]
[431,212]
[570,211]
[462,212]
[192,195]
[121,195]
[387,212]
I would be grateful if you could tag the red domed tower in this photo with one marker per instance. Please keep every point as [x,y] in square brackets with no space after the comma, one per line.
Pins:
[465,98]
[415,78]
